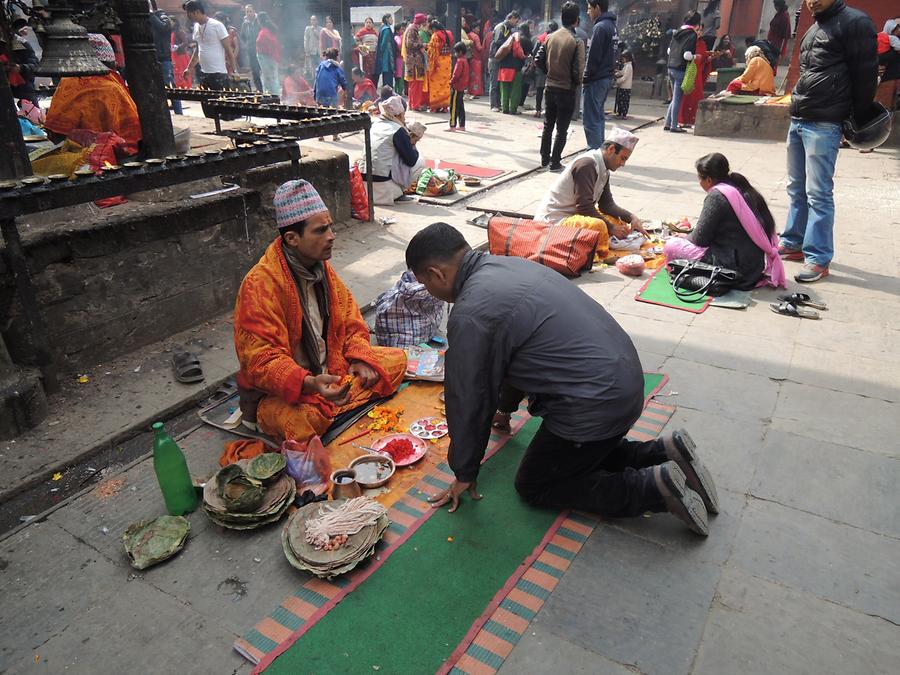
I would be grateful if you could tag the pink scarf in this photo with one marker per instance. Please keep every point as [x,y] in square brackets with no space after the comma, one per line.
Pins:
[774,272]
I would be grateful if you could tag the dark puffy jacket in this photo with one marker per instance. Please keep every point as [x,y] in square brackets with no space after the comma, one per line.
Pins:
[684,40]
[838,67]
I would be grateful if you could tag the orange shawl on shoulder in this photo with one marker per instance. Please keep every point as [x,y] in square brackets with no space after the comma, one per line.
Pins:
[268,325]
[97,103]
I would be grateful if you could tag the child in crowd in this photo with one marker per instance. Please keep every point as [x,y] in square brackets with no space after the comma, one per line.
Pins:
[459,82]
[295,90]
[624,76]
[363,87]
[329,78]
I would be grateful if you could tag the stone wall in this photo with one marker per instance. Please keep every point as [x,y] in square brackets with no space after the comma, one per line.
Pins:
[757,122]
[110,281]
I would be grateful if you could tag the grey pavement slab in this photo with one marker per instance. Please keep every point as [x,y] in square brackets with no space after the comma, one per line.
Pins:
[731,393]
[847,419]
[731,448]
[840,563]
[834,481]
[540,652]
[759,627]
[650,335]
[760,356]
[829,369]
[634,601]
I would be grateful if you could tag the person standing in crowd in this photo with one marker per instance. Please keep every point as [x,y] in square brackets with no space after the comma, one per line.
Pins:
[268,51]
[329,38]
[624,77]
[889,63]
[562,58]
[439,68]
[213,51]
[687,112]
[22,63]
[247,37]
[399,82]
[780,28]
[598,73]
[295,89]
[528,68]
[330,79]
[540,76]
[710,22]
[840,48]
[501,34]
[161,25]
[725,51]
[414,63]
[458,84]
[384,55]
[233,40]
[681,53]
[366,46]
[476,64]
[181,56]
[312,54]
[510,60]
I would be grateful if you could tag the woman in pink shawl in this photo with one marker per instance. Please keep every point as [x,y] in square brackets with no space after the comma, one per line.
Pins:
[735,229]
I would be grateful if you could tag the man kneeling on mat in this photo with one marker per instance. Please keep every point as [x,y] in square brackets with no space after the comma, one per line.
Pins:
[517,326]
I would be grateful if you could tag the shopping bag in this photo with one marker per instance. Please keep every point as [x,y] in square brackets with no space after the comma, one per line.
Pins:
[690,78]
[568,250]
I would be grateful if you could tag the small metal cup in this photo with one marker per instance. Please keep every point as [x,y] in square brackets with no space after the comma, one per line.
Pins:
[344,485]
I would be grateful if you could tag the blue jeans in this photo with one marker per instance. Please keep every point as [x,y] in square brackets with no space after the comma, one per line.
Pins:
[812,149]
[168,75]
[677,76]
[594,116]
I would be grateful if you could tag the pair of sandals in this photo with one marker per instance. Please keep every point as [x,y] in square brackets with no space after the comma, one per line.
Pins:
[795,304]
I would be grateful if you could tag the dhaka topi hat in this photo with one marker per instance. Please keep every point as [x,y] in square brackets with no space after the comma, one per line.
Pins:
[621,137]
[419,18]
[102,48]
[296,201]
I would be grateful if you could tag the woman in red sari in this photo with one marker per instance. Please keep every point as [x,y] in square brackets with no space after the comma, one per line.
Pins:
[687,113]
[366,46]
[476,77]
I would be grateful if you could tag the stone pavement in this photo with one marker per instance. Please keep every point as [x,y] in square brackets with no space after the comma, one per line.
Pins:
[797,421]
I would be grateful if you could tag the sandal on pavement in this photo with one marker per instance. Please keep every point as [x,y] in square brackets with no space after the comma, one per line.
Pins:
[790,309]
[803,299]
[187,368]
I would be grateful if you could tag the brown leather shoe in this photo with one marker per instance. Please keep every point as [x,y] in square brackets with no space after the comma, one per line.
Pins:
[681,501]
[682,450]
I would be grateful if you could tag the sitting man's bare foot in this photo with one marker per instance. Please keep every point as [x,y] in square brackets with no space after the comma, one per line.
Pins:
[501,422]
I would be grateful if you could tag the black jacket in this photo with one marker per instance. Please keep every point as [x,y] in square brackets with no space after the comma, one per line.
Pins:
[684,40]
[603,50]
[162,35]
[838,67]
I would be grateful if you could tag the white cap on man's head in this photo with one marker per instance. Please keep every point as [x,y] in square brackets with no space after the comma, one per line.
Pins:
[622,137]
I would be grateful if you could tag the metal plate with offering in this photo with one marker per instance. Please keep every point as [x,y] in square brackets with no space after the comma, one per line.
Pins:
[404,449]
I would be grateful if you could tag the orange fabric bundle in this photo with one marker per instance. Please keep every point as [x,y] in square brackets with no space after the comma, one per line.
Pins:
[599,226]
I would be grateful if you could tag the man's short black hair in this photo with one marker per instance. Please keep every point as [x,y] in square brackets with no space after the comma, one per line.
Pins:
[439,242]
[297,227]
[357,71]
[606,144]
[194,6]
[552,26]
[569,14]
[512,15]
[602,4]
[460,48]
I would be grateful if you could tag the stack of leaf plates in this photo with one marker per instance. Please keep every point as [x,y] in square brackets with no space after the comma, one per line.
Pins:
[278,497]
[327,564]
[151,541]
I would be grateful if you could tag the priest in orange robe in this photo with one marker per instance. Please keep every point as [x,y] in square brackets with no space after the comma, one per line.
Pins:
[298,332]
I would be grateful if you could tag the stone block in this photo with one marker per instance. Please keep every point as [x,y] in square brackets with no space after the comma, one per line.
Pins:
[758,122]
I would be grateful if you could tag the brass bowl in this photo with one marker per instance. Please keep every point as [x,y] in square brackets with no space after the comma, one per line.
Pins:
[56,177]
[344,485]
[34,180]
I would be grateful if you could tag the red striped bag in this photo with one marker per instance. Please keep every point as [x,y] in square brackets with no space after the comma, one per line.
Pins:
[568,250]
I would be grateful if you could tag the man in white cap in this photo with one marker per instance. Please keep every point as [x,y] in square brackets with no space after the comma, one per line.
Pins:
[299,334]
[582,191]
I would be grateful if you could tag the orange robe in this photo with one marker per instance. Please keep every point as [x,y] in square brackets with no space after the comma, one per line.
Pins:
[268,321]
[97,103]
[440,62]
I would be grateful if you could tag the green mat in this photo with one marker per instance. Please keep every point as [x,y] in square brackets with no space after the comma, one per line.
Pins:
[658,291]
[406,622]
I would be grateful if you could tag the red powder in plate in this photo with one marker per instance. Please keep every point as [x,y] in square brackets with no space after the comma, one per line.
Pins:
[400,449]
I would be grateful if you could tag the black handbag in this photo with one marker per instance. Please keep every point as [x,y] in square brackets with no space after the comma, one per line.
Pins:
[692,279]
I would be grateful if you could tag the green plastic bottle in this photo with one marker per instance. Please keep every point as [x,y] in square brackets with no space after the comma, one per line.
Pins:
[172,473]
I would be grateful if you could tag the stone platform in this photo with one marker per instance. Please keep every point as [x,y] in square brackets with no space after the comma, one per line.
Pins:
[753,122]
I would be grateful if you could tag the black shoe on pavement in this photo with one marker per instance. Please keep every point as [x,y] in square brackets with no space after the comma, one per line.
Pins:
[681,501]
[678,130]
[681,449]
[556,167]
[544,162]
[404,198]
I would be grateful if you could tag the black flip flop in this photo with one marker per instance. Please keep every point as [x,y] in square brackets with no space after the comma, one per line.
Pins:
[803,299]
[187,368]
[789,309]
[225,391]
